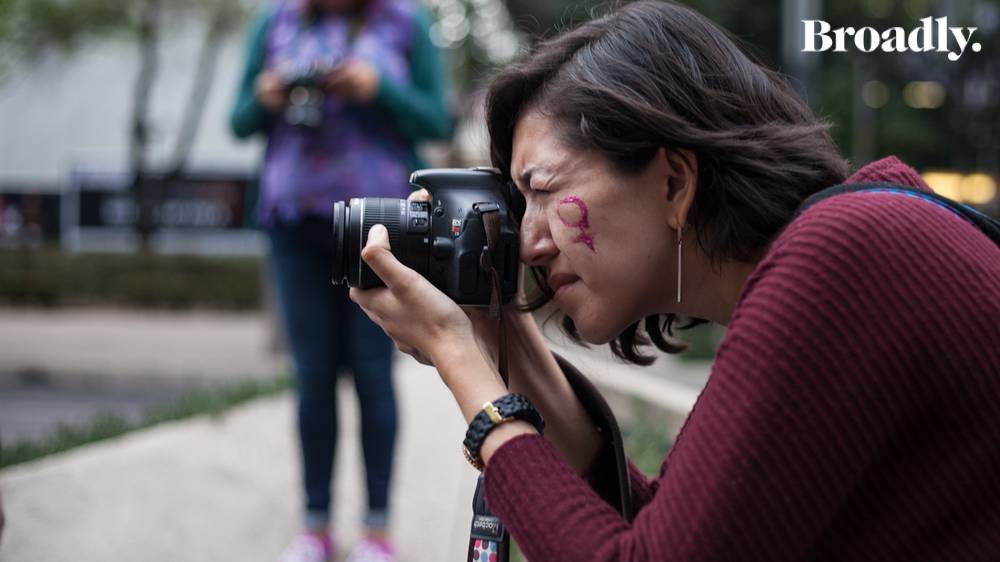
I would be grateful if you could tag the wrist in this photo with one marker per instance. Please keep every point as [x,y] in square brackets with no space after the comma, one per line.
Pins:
[501,435]
[386,92]
[371,88]
[499,421]
[469,376]
[451,353]
[516,324]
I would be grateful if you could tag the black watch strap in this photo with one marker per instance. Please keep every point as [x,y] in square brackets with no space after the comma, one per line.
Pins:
[503,409]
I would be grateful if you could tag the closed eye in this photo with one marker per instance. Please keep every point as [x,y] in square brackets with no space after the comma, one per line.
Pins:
[516,201]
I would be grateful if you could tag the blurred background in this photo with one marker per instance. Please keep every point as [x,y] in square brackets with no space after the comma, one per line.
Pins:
[133,290]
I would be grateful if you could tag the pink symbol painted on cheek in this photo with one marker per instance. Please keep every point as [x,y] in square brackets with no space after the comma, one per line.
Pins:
[573,213]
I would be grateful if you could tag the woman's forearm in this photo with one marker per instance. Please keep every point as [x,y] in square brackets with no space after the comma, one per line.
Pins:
[533,371]
[466,371]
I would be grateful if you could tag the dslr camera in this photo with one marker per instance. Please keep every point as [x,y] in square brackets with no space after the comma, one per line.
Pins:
[444,239]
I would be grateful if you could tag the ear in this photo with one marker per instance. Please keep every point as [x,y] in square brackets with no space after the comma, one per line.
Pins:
[681,166]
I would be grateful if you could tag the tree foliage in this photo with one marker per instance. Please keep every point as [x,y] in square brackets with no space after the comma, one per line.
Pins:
[29,28]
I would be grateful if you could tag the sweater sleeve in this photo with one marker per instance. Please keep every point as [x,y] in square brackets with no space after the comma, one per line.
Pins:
[419,108]
[643,488]
[248,117]
[815,375]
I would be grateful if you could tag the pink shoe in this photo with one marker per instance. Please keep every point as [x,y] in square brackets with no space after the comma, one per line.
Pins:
[309,547]
[370,550]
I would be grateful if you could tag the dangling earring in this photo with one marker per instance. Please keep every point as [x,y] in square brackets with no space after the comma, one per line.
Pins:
[680,250]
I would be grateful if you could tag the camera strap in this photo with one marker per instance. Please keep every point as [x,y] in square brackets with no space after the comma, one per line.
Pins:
[491,224]
[989,226]
[488,538]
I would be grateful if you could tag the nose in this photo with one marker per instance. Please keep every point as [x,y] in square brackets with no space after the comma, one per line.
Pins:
[537,246]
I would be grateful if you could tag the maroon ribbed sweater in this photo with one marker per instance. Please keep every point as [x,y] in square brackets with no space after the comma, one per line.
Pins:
[852,413]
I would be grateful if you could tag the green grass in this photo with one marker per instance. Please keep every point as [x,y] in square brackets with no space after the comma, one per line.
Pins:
[702,342]
[644,434]
[107,425]
[515,552]
[49,277]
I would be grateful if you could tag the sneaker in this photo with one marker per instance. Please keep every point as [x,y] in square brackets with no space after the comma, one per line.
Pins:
[308,547]
[370,550]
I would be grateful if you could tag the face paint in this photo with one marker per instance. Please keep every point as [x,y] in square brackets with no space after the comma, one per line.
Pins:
[572,212]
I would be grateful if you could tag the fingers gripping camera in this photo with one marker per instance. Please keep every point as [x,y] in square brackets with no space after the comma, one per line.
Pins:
[443,239]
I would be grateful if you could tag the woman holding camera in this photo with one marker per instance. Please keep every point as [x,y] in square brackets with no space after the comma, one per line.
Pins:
[342,89]
[853,408]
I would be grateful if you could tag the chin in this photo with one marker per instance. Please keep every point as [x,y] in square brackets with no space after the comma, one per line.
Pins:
[596,332]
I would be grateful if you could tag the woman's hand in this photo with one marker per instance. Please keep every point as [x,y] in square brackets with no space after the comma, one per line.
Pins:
[468,337]
[271,90]
[422,320]
[355,80]
[484,324]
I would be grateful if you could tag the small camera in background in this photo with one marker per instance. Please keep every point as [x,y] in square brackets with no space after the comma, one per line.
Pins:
[306,94]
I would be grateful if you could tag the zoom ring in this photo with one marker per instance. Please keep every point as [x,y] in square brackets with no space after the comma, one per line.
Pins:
[388,213]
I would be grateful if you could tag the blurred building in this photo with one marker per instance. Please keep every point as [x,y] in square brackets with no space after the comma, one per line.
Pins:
[64,124]
[65,117]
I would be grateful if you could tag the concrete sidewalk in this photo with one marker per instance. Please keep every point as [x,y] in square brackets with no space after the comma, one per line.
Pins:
[127,347]
[224,489]
[219,489]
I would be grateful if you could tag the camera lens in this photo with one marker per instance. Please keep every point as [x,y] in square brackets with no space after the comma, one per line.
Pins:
[351,223]
[341,214]
[299,95]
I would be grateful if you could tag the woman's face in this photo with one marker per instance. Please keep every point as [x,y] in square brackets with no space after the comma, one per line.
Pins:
[602,237]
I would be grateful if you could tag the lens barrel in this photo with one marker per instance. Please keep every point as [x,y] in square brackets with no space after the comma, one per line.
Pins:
[341,214]
[351,223]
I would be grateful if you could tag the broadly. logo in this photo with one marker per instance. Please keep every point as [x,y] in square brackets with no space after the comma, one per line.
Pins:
[932,35]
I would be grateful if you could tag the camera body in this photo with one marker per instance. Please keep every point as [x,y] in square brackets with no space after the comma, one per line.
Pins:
[306,96]
[443,240]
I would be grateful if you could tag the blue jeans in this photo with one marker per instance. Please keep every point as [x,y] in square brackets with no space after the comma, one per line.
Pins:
[326,331]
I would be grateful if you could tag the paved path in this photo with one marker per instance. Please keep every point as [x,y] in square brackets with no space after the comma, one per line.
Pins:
[66,365]
[210,489]
[96,346]
[219,489]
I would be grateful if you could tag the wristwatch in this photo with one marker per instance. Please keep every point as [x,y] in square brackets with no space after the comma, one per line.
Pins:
[504,409]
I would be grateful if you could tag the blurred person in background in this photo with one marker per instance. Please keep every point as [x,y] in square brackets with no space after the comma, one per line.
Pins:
[853,408]
[342,89]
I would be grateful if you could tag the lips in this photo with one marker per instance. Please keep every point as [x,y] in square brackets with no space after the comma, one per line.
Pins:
[559,280]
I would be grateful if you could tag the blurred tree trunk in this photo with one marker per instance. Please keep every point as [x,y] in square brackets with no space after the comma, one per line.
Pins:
[147,31]
[224,15]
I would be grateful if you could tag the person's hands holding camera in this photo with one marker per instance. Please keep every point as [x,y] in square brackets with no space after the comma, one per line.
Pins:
[271,90]
[461,343]
[484,326]
[421,320]
[355,80]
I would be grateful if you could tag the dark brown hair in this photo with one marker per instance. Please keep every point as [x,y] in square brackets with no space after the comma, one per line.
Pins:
[655,74]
